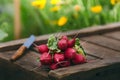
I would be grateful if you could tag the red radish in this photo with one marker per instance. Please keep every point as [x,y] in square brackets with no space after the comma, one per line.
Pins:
[79,58]
[61,52]
[46,58]
[70,53]
[64,37]
[64,63]
[71,42]
[43,48]
[62,44]
[59,57]
[54,66]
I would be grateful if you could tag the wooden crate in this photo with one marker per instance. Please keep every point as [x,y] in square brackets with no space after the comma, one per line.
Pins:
[102,44]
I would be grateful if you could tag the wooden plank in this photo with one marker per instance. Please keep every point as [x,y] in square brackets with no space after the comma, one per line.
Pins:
[104,41]
[12,71]
[100,51]
[12,45]
[96,71]
[114,35]
[27,61]
[109,57]
[29,64]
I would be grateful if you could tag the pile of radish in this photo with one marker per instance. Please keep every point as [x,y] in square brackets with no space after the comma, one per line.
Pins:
[61,52]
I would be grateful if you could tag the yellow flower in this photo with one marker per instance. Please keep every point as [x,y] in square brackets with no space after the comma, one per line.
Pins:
[77,8]
[113,2]
[56,8]
[39,3]
[54,2]
[96,9]
[62,21]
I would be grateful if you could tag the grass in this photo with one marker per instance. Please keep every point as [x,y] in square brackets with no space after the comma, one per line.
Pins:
[6,21]
[44,21]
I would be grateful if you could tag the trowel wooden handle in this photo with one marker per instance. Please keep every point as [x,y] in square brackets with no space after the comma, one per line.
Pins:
[18,53]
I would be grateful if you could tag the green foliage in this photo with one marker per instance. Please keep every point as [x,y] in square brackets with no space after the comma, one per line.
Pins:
[52,44]
[44,21]
[6,27]
[3,35]
[77,19]
[78,47]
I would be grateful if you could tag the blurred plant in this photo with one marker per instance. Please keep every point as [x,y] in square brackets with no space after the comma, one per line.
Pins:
[40,17]
[75,14]
[6,20]
[2,35]
[6,27]
[113,2]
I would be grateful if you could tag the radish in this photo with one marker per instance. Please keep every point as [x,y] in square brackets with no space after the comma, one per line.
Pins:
[46,58]
[43,48]
[54,66]
[70,53]
[59,57]
[78,59]
[64,63]
[71,42]
[61,52]
[62,44]
[64,37]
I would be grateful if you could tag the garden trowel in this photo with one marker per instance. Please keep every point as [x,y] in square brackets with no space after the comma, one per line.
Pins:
[24,47]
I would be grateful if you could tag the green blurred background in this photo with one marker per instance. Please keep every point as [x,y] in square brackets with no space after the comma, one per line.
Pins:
[37,21]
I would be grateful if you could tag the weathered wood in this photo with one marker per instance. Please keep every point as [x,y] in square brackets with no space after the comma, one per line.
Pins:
[27,61]
[29,64]
[100,51]
[114,35]
[11,45]
[109,57]
[83,32]
[94,71]
[103,41]
[10,71]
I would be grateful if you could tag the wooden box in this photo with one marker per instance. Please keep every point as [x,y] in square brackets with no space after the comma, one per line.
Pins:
[102,44]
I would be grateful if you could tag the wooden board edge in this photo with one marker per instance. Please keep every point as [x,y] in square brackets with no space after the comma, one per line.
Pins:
[55,75]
